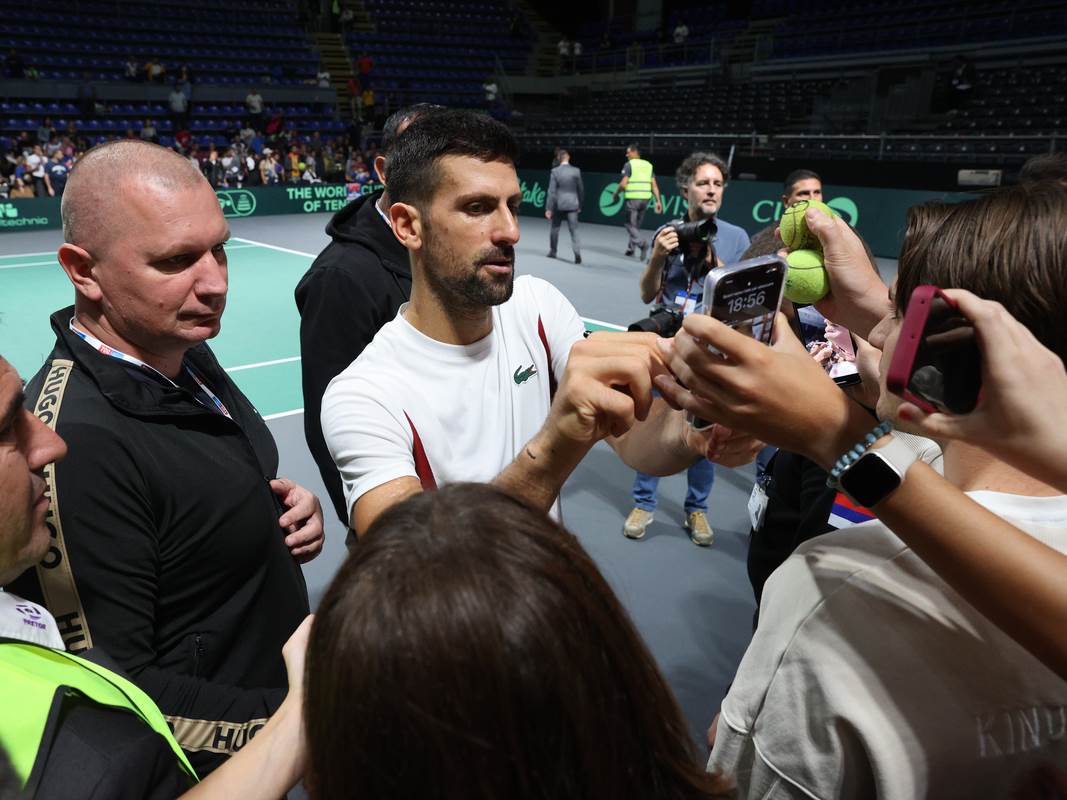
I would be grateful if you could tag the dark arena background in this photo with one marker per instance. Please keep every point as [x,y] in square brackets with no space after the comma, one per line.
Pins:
[282,103]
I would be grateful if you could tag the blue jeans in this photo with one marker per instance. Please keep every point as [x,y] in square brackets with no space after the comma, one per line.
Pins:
[701,476]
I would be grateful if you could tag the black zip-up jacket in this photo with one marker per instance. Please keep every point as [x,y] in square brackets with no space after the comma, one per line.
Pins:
[166,547]
[353,288]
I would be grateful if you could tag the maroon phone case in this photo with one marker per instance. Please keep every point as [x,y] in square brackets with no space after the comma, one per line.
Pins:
[911,331]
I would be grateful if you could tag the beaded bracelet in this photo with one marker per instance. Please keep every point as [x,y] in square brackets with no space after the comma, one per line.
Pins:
[852,455]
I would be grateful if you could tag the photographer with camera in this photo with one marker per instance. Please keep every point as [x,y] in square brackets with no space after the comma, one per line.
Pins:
[683,252]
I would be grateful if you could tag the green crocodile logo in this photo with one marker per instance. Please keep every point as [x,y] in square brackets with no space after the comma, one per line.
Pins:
[522,375]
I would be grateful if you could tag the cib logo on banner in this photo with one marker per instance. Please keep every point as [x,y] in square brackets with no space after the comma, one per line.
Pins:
[766,211]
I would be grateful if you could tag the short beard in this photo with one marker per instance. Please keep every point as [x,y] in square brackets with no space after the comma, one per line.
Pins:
[462,288]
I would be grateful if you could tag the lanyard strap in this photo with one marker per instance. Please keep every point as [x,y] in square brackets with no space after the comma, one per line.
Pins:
[111,352]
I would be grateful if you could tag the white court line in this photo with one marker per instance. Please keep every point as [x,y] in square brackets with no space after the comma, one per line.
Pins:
[281,414]
[275,247]
[610,325]
[263,364]
[291,359]
[56,263]
[28,255]
[30,264]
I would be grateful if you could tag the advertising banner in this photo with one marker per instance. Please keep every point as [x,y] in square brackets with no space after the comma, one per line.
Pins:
[877,214]
[42,213]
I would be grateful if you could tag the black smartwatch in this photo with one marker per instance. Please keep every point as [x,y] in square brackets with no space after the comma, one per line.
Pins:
[877,473]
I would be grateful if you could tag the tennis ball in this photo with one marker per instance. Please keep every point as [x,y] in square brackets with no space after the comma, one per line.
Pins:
[806,281]
[794,228]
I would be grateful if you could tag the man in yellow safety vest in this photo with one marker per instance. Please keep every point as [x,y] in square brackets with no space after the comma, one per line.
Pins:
[638,185]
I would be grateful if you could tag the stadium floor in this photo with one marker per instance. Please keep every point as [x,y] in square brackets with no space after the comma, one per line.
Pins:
[692,605]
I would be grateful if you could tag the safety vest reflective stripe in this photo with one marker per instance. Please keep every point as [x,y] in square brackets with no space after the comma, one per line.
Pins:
[639,187]
[30,678]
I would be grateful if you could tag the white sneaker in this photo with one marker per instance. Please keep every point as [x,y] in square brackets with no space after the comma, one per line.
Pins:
[634,527]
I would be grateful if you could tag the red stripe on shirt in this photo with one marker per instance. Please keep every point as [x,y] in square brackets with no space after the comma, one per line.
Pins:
[548,353]
[422,463]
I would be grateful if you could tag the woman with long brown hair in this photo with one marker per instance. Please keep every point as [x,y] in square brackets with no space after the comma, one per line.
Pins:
[470,648]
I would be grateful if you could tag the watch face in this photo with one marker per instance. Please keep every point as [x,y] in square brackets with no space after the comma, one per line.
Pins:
[870,479]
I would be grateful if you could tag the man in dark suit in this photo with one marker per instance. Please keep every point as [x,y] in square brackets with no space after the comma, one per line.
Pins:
[565,194]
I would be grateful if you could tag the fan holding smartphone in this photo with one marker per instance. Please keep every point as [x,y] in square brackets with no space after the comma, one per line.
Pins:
[936,364]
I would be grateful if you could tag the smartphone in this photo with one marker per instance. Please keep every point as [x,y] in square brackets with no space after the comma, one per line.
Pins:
[745,296]
[830,344]
[936,364]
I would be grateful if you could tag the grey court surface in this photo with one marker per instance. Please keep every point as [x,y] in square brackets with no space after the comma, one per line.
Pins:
[692,605]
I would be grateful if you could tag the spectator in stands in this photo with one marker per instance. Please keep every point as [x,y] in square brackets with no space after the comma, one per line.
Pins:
[355,286]
[681,32]
[154,70]
[45,131]
[309,172]
[254,107]
[148,131]
[20,189]
[57,174]
[179,108]
[638,185]
[322,78]
[35,167]
[866,667]
[565,195]
[212,168]
[132,70]
[5,186]
[367,109]
[185,82]
[576,53]
[564,48]
[267,175]
[509,615]
[674,278]
[364,67]
[492,90]
[231,168]
[144,577]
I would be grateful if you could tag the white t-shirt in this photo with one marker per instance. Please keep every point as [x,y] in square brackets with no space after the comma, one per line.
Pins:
[28,622]
[411,406]
[35,165]
[869,677]
[254,102]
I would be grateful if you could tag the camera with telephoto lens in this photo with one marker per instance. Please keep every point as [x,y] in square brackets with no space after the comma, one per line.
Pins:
[693,232]
[662,321]
[666,321]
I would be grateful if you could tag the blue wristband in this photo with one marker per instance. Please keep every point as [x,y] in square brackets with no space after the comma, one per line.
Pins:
[853,454]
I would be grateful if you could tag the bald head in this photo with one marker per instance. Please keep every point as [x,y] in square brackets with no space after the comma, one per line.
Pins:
[92,207]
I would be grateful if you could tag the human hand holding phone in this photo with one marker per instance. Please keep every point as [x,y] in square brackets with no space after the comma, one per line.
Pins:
[1021,416]
[745,296]
[777,394]
[936,363]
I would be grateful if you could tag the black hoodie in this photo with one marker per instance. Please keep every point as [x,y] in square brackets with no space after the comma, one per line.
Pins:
[166,547]
[355,286]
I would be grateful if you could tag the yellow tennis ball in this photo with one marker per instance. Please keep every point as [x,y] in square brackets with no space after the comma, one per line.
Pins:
[794,228]
[806,281]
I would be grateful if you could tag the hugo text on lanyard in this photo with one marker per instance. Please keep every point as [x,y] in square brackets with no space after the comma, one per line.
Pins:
[106,350]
